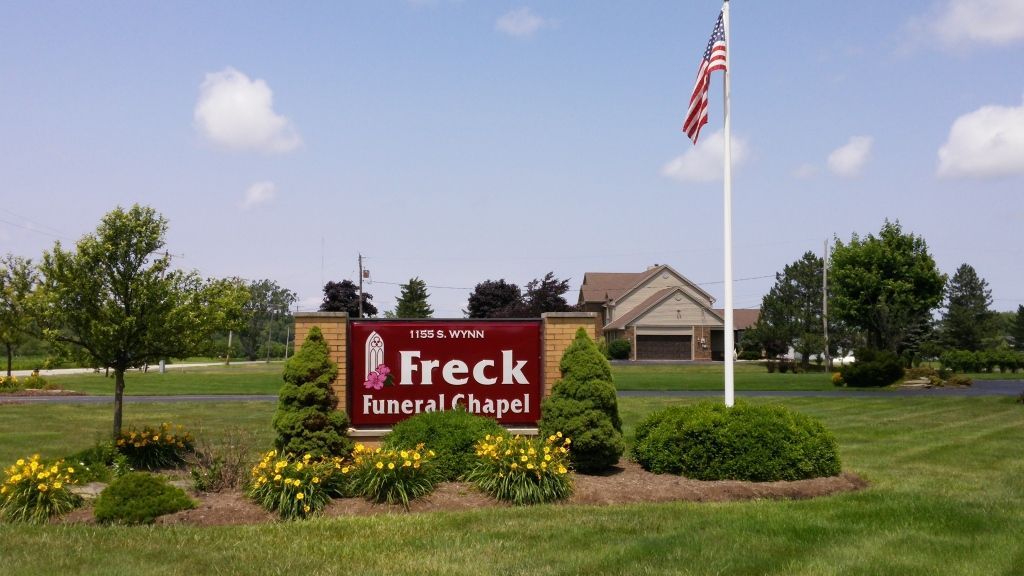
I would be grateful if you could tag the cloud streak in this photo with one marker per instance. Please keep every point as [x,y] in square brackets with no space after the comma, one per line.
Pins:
[258,194]
[521,23]
[848,161]
[959,22]
[705,162]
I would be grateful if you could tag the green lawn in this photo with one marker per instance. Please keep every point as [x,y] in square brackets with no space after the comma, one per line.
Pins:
[710,377]
[947,497]
[259,378]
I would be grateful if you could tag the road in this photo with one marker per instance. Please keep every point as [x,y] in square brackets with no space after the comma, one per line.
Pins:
[66,371]
[981,388]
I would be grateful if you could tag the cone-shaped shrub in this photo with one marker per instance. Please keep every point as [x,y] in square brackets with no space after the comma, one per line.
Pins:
[307,420]
[584,407]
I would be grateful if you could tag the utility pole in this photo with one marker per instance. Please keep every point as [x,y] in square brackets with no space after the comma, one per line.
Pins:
[287,337]
[227,360]
[360,285]
[824,306]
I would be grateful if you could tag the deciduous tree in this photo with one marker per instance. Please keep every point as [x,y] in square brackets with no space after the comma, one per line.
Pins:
[344,297]
[18,279]
[545,294]
[117,300]
[267,309]
[494,299]
[886,285]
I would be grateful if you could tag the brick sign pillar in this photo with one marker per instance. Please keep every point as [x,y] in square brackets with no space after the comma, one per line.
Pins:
[559,331]
[334,326]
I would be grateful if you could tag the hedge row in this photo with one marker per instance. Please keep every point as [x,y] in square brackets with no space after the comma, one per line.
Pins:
[982,361]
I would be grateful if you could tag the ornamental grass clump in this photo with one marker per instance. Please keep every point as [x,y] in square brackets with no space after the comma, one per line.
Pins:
[523,470]
[392,475]
[155,448]
[34,491]
[296,487]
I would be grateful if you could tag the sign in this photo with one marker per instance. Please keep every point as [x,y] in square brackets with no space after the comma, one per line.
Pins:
[401,368]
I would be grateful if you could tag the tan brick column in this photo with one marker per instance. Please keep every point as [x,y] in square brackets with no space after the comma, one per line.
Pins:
[559,330]
[334,326]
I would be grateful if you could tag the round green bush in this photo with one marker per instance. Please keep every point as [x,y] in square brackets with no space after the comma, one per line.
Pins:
[873,369]
[451,434]
[619,349]
[138,498]
[707,441]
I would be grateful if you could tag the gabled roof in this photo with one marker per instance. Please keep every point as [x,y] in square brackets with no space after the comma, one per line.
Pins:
[651,303]
[600,287]
[658,270]
[742,318]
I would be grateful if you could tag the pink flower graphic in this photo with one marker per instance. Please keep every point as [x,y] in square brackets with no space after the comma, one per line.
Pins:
[379,378]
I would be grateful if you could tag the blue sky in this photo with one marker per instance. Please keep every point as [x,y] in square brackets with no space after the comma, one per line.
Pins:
[460,141]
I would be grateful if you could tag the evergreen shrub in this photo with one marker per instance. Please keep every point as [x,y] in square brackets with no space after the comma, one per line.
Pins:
[452,434]
[583,406]
[307,421]
[619,349]
[707,441]
[138,498]
[873,369]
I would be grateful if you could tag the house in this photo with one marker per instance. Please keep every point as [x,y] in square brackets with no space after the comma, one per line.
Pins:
[664,315]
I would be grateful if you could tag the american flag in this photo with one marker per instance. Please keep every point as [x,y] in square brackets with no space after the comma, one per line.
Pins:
[714,59]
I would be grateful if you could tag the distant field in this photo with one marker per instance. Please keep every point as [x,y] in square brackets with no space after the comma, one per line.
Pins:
[710,377]
[257,378]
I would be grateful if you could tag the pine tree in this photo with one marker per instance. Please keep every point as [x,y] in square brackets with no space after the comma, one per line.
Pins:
[307,419]
[1017,329]
[412,303]
[967,321]
[583,406]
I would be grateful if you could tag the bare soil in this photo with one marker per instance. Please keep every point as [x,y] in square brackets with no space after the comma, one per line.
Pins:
[627,483]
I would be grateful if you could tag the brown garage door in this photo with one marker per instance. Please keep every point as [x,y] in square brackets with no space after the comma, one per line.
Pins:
[663,347]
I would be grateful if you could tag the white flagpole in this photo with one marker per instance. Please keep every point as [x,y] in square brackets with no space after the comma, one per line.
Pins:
[729,345]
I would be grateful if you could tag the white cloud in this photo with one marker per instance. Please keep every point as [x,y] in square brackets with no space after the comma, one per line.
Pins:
[521,23]
[236,112]
[848,160]
[258,194]
[959,22]
[984,143]
[805,172]
[705,162]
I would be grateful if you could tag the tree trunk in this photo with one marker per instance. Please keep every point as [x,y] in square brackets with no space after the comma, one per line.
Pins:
[10,359]
[118,400]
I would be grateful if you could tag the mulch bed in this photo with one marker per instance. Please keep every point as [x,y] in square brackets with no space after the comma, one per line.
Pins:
[627,483]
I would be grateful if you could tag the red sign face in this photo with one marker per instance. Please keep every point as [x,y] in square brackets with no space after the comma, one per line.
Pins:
[398,369]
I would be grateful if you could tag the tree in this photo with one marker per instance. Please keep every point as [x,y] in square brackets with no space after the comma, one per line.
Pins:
[583,406]
[494,299]
[1017,329]
[18,280]
[412,303]
[117,300]
[344,297]
[791,311]
[886,286]
[307,419]
[268,310]
[546,294]
[967,321]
